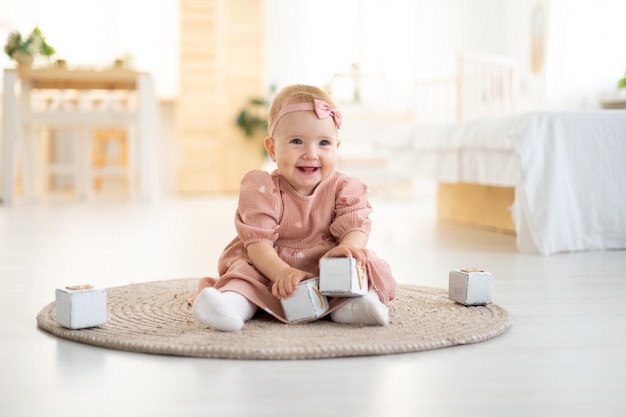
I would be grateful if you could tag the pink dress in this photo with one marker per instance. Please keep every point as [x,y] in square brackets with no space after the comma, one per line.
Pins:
[301,229]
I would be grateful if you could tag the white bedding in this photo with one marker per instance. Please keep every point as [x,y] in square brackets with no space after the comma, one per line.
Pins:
[477,151]
[568,168]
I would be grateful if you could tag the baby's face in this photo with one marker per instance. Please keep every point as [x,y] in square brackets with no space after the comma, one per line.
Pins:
[304,149]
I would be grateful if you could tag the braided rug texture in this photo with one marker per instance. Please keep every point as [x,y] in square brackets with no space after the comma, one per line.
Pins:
[154,317]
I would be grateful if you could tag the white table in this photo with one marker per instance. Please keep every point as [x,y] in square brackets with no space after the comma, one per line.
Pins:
[18,118]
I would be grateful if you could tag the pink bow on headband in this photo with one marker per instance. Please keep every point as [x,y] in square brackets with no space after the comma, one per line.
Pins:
[323,110]
[320,107]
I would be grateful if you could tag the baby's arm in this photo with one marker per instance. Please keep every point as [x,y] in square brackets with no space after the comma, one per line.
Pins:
[266,260]
[351,245]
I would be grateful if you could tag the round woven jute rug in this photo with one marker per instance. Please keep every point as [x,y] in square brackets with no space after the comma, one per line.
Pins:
[154,317]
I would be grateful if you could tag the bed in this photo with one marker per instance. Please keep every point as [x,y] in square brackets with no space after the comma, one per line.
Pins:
[555,179]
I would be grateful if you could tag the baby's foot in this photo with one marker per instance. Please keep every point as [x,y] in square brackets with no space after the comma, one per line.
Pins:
[227,311]
[363,310]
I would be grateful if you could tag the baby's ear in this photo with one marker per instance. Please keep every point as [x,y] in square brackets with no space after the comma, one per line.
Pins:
[338,143]
[269,147]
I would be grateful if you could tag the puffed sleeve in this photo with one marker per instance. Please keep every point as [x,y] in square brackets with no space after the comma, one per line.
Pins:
[352,208]
[259,209]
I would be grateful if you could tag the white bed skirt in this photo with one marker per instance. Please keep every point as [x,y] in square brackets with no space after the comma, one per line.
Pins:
[572,190]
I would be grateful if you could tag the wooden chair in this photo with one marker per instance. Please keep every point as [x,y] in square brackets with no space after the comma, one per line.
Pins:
[109,160]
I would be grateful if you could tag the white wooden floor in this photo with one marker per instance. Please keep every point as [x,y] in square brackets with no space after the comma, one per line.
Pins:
[564,356]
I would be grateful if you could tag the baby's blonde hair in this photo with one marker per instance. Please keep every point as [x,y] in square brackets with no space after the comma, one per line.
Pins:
[297,93]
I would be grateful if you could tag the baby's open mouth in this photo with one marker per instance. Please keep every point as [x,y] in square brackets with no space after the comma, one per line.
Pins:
[308,170]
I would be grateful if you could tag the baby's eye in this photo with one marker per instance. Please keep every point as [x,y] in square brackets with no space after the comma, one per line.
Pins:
[296,141]
[325,142]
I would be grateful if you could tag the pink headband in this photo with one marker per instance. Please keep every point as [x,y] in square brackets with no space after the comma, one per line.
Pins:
[320,107]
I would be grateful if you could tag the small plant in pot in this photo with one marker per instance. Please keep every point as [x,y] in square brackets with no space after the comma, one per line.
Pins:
[621,87]
[253,117]
[254,114]
[621,83]
[23,49]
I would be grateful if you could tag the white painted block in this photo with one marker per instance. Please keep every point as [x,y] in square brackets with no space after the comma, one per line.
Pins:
[306,302]
[470,286]
[342,277]
[79,307]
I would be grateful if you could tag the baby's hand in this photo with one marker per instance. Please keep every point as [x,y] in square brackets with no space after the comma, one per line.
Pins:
[343,251]
[287,281]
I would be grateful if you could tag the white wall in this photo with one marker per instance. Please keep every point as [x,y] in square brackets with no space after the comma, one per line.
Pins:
[446,28]
[517,32]
[586,50]
[394,42]
[309,41]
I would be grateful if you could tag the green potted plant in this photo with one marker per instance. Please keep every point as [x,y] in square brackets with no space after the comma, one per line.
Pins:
[253,117]
[621,83]
[24,49]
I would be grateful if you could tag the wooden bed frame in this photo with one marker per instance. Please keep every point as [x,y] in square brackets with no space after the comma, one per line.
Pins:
[485,86]
[483,206]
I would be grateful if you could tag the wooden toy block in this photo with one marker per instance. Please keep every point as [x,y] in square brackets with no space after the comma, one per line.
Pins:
[342,277]
[470,286]
[81,306]
[306,302]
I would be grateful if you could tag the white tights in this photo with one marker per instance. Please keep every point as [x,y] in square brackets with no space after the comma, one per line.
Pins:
[228,311]
[363,310]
